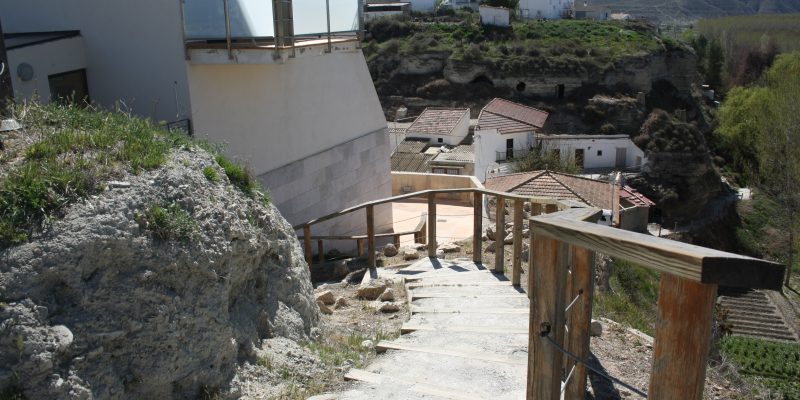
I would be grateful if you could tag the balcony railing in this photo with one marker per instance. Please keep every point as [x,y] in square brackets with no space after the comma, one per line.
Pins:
[510,154]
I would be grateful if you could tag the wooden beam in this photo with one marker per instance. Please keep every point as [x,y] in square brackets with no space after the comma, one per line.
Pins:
[360,247]
[546,280]
[320,251]
[516,270]
[499,233]
[408,328]
[432,225]
[477,228]
[370,236]
[688,261]
[307,244]
[683,338]
[580,318]
[395,240]
[473,355]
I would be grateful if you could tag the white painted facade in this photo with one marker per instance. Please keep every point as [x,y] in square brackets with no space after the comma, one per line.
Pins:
[599,151]
[548,9]
[423,5]
[454,138]
[489,142]
[134,49]
[495,16]
[48,58]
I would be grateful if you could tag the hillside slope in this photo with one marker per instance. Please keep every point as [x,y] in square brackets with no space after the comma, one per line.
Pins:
[690,10]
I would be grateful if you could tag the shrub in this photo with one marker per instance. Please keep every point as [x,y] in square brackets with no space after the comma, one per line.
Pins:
[169,222]
[608,129]
[211,174]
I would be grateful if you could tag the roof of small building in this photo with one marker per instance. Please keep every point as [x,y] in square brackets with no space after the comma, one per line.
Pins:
[562,186]
[411,162]
[435,121]
[509,117]
[459,154]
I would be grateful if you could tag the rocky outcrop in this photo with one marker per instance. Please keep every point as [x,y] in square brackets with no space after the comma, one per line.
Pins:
[98,307]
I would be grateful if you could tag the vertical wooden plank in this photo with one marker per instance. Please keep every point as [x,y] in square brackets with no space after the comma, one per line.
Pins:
[360,247]
[683,338]
[320,252]
[370,236]
[536,209]
[396,241]
[580,318]
[477,227]
[547,312]
[431,224]
[499,233]
[307,244]
[550,208]
[516,270]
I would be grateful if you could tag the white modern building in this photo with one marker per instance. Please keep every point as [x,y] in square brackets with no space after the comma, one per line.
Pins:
[441,126]
[495,16]
[379,10]
[595,152]
[286,89]
[545,9]
[505,130]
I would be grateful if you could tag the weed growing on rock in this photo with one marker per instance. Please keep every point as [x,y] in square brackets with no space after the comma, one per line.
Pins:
[170,222]
[211,174]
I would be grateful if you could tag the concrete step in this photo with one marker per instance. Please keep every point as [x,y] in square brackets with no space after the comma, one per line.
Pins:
[759,326]
[519,301]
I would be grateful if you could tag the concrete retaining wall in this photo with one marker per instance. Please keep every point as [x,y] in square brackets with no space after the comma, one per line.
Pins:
[332,180]
[405,182]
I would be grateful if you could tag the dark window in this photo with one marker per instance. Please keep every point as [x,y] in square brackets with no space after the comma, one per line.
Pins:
[599,153]
[440,140]
[69,86]
[452,171]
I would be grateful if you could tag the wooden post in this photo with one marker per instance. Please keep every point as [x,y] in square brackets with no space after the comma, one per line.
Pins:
[536,209]
[546,280]
[499,234]
[307,244]
[477,227]
[516,270]
[360,247]
[580,318]
[431,224]
[370,236]
[396,240]
[320,252]
[683,338]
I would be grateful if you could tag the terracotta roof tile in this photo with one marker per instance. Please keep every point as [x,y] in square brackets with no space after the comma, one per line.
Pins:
[438,121]
[508,117]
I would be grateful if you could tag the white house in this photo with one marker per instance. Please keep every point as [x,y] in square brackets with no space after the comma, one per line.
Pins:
[304,114]
[496,16]
[379,10]
[441,126]
[504,130]
[544,9]
[595,152]
[584,10]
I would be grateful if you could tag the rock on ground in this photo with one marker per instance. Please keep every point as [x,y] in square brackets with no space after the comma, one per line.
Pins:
[371,290]
[96,307]
[389,250]
[326,297]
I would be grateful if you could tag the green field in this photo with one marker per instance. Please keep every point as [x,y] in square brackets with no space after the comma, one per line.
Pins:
[771,365]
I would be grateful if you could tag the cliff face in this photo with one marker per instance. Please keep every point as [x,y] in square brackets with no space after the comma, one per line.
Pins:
[99,307]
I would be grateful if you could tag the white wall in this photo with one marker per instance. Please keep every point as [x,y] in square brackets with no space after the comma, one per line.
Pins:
[459,133]
[550,9]
[134,49]
[273,114]
[494,16]
[47,58]
[369,16]
[591,146]
[423,5]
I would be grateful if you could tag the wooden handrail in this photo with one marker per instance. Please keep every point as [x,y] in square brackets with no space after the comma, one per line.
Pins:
[698,264]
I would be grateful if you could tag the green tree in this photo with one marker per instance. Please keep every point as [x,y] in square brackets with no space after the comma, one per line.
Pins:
[761,128]
[714,60]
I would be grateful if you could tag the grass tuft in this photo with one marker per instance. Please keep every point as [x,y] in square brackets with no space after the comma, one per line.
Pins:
[211,174]
[170,222]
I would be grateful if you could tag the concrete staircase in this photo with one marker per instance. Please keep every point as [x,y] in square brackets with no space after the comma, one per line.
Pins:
[752,313]
[467,338]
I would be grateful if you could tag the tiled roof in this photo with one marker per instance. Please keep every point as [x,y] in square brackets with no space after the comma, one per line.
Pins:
[464,153]
[564,187]
[411,162]
[411,146]
[508,117]
[438,121]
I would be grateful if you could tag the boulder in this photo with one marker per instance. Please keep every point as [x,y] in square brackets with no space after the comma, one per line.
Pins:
[450,248]
[389,250]
[526,206]
[323,308]
[341,302]
[596,329]
[326,297]
[489,248]
[387,295]
[340,268]
[490,232]
[371,290]
[509,239]
[368,344]
[389,307]
[409,253]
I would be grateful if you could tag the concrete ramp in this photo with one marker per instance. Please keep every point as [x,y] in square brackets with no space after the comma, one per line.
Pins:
[467,338]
